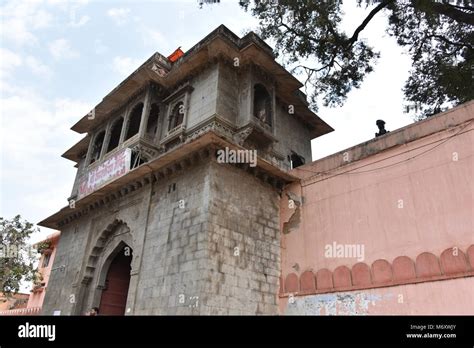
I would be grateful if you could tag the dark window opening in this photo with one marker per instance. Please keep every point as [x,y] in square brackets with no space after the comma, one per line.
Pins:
[115,134]
[172,188]
[46,258]
[262,104]
[134,121]
[296,160]
[97,147]
[152,123]
[177,116]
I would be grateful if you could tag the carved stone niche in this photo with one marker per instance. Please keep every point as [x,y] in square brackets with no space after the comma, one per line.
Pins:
[257,137]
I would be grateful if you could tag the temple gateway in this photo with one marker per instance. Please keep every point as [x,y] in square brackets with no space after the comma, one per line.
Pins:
[156,224]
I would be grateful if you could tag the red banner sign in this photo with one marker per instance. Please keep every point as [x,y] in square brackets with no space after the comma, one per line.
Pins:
[112,168]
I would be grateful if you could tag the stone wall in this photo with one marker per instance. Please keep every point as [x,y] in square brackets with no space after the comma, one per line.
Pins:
[234,103]
[243,244]
[216,254]
[292,135]
[203,99]
[174,257]
[228,93]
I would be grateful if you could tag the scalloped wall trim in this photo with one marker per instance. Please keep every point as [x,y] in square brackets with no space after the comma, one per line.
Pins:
[452,263]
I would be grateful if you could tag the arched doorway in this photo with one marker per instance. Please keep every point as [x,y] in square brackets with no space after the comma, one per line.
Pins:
[114,295]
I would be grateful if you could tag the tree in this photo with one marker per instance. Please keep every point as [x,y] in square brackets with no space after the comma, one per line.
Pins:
[17,258]
[438,35]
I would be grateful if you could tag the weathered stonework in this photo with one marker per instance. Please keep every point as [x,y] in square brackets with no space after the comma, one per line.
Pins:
[220,253]
[204,236]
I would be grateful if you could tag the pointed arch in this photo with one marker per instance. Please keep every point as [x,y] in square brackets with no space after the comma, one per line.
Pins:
[102,251]
[100,243]
[112,250]
[111,294]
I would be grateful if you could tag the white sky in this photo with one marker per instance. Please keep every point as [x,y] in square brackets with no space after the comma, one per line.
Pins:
[58,59]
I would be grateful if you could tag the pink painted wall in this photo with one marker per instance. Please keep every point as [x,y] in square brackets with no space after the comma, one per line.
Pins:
[14,300]
[449,297]
[36,298]
[403,194]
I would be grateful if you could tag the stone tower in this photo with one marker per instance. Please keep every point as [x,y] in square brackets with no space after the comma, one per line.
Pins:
[156,223]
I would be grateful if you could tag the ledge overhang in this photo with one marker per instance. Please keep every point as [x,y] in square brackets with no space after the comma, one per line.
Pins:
[220,42]
[179,153]
[75,152]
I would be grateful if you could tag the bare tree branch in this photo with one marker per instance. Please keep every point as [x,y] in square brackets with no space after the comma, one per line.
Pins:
[366,21]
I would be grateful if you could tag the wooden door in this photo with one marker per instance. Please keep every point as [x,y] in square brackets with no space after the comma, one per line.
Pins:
[114,295]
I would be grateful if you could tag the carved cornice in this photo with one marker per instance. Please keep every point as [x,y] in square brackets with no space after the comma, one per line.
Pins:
[242,135]
[216,126]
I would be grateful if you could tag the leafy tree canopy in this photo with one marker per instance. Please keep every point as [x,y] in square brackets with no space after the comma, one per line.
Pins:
[17,257]
[438,35]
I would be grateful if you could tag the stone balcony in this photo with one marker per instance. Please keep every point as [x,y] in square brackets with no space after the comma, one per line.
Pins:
[142,150]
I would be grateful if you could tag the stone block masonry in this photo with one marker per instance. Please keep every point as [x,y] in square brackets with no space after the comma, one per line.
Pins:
[204,235]
[217,254]
[243,244]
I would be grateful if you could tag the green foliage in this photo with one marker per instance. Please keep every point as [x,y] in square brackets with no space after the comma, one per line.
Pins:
[438,35]
[441,45]
[16,257]
[42,246]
